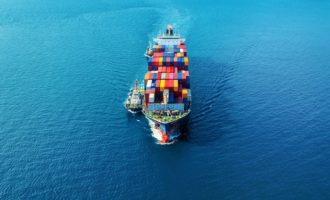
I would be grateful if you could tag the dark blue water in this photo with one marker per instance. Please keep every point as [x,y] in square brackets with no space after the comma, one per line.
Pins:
[260,76]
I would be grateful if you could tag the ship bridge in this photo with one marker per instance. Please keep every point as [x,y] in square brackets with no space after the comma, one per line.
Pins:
[169,40]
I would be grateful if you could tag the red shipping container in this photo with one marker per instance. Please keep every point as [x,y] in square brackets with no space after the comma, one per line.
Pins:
[155,61]
[158,83]
[167,69]
[184,75]
[167,76]
[158,54]
[175,76]
[168,61]
[181,46]
[185,72]
[165,84]
[147,97]
[159,76]
[170,84]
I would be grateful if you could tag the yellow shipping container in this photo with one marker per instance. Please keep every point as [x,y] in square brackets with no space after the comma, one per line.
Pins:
[162,85]
[184,93]
[176,85]
[186,61]
[160,61]
[178,55]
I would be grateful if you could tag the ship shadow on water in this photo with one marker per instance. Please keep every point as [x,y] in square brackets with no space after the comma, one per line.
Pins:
[184,136]
[210,117]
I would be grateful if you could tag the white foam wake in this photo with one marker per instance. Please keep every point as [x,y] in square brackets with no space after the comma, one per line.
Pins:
[157,134]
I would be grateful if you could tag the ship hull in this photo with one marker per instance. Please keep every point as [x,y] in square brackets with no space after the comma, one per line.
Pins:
[168,132]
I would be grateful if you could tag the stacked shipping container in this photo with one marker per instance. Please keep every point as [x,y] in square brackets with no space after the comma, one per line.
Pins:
[168,70]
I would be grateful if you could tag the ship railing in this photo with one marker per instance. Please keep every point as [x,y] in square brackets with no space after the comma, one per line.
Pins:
[165,116]
[166,35]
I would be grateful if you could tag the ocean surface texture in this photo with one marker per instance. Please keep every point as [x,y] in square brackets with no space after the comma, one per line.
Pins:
[260,78]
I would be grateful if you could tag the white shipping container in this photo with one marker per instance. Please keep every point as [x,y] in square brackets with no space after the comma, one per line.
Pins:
[149,83]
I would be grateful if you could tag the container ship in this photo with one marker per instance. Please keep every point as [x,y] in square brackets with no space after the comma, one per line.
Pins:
[167,95]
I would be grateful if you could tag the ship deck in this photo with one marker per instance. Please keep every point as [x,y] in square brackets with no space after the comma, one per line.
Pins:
[165,118]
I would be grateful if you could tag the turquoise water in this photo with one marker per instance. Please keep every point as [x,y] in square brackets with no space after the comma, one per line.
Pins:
[261,93]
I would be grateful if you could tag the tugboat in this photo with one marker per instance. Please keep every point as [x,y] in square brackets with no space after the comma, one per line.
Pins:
[134,101]
[148,53]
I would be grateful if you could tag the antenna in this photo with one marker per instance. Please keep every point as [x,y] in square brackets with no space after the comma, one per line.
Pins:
[136,85]
[169,30]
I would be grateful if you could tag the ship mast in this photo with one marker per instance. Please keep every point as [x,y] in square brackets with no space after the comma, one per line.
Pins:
[169,30]
[136,85]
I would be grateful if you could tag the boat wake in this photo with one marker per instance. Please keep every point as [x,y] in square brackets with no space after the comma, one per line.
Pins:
[155,133]
[180,18]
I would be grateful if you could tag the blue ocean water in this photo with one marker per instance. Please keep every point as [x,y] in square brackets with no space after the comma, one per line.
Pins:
[260,76]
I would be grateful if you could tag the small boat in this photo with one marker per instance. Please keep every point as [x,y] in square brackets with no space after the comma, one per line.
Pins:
[134,101]
[148,53]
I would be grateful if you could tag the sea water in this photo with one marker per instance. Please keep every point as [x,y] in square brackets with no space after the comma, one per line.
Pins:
[260,80]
